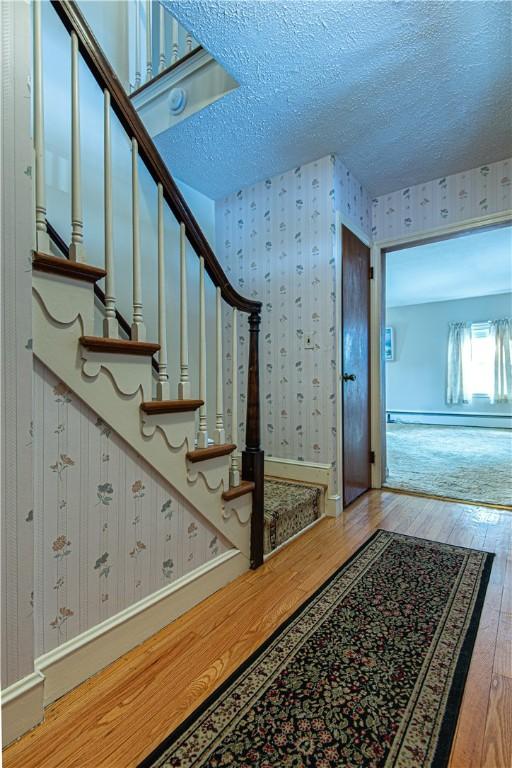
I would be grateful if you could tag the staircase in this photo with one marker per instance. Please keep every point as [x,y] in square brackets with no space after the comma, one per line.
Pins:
[106,358]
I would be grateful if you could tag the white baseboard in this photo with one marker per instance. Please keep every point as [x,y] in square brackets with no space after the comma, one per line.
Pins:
[307,472]
[22,706]
[73,662]
[489,420]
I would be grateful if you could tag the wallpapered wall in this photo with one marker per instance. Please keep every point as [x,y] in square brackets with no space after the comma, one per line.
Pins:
[449,200]
[109,529]
[276,242]
[17,232]
[352,199]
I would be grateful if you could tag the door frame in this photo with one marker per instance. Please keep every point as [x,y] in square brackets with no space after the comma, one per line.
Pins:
[378,319]
[340,222]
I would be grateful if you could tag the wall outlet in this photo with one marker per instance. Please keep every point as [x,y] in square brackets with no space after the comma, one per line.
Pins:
[308,341]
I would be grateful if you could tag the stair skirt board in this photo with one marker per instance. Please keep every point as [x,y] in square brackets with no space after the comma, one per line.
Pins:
[78,659]
[289,509]
[22,707]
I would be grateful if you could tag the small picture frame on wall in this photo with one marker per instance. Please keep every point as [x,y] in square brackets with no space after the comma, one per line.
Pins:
[389,344]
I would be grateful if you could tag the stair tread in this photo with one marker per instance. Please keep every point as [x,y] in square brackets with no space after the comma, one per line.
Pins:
[246,486]
[43,262]
[170,406]
[212,452]
[121,346]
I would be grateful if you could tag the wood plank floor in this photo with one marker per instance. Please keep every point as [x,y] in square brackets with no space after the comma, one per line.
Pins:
[117,717]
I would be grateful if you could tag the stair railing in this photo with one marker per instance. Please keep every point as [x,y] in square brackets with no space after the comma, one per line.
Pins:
[166,42]
[85,45]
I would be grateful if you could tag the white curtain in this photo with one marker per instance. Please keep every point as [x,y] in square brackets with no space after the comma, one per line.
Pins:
[501,335]
[459,364]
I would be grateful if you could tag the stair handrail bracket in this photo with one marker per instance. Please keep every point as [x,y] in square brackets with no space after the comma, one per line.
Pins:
[116,98]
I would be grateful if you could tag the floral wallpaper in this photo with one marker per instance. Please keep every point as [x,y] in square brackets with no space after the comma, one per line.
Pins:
[351,198]
[449,200]
[109,529]
[17,228]
[276,242]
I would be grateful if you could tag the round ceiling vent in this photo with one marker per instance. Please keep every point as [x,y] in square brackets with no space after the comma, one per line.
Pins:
[177,100]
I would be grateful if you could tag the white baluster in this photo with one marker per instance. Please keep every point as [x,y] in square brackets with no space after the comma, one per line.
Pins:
[42,238]
[161,60]
[162,387]
[234,470]
[219,435]
[138,76]
[110,325]
[202,435]
[175,41]
[188,42]
[184,384]
[76,249]
[138,327]
[149,52]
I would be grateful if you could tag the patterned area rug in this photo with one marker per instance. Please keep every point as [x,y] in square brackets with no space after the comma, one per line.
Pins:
[368,672]
[289,507]
[467,463]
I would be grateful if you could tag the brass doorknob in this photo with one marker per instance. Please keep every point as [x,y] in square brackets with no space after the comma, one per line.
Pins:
[349,377]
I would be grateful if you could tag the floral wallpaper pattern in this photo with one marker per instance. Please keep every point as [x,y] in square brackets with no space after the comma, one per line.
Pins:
[275,240]
[351,198]
[449,200]
[109,529]
[16,225]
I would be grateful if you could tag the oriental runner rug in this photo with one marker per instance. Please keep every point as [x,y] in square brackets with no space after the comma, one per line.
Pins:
[370,671]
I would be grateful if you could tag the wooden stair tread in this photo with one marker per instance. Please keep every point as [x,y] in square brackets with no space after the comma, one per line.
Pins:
[170,406]
[119,346]
[246,486]
[43,262]
[212,452]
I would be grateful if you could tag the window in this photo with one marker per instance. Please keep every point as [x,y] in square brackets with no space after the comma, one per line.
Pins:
[481,376]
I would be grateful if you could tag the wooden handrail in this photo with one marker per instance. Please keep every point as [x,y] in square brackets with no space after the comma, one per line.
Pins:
[73,20]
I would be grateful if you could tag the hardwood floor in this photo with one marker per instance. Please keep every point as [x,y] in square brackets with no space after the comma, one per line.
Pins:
[120,715]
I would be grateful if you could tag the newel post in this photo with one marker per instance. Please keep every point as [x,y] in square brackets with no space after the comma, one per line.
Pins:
[253,456]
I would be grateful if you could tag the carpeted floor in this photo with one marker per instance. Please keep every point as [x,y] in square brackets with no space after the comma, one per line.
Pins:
[467,463]
[369,671]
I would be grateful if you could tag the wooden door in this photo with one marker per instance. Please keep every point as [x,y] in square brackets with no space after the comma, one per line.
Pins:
[356,366]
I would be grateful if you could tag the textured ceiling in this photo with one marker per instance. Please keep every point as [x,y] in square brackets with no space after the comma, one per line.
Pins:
[478,264]
[403,91]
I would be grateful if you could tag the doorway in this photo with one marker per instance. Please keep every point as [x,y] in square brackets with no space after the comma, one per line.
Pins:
[355,322]
[448,368]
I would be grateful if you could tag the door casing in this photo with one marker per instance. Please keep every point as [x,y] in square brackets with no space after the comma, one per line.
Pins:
[377,321]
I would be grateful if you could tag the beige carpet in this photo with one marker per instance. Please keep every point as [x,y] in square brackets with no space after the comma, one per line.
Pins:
[468,463]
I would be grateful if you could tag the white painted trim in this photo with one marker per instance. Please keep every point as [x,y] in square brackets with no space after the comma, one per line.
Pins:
[354,228]
[376,368]
[163,84]
[82,656]
[338,340]
[445,230]
[22,706]
[308,472]
[377,304]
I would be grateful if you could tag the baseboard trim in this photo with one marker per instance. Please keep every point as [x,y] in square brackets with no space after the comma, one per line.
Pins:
[307,472]
[22,706]
[78,659]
